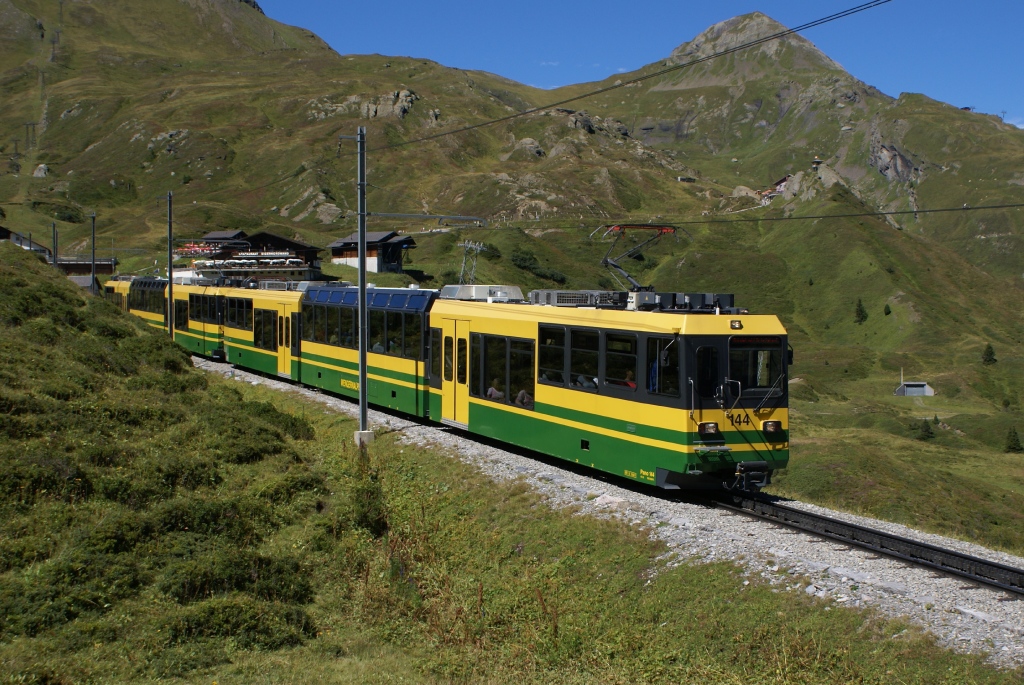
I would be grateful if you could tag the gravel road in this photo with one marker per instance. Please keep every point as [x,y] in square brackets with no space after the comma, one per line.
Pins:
[964,617]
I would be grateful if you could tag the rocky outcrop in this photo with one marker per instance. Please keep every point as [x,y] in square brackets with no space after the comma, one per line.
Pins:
[396,104]
[527,148]
[253,4]
[591,124]
[892,163]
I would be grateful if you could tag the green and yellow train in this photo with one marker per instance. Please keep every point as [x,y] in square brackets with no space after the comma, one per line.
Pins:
[681,391]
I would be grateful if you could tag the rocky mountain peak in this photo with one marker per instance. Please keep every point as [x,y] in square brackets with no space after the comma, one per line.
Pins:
[745,28]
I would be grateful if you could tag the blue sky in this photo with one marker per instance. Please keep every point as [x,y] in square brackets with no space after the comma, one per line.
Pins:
[963,53]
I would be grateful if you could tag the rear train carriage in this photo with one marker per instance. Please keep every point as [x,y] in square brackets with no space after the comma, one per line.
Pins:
[672,398]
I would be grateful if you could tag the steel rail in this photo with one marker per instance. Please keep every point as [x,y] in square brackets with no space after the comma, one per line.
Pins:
[975,569]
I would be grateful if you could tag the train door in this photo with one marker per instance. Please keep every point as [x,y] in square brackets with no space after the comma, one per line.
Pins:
[706,382]
[284,349]
[454,379]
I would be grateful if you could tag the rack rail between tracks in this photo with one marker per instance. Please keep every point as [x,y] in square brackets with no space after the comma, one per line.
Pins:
[975,569]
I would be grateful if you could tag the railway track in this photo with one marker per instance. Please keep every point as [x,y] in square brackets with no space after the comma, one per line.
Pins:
[974,569]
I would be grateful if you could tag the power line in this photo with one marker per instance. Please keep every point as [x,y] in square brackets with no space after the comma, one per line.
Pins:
[687,222]
[661,72]
[965,208]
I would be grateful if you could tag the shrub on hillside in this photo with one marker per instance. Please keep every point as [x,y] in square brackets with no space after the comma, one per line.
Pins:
[250,623]
[1013,441]
[860,314]
[988,355]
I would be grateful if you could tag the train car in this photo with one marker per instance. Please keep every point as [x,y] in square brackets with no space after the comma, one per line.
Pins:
[678,398]
[396,352]
[198,310]
[147,299]
[257,325]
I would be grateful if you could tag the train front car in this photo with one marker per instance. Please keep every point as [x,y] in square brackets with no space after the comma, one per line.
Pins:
[679,391]
[734,371]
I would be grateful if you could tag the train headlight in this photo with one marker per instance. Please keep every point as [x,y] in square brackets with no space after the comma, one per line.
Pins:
[771,426]
[708,428]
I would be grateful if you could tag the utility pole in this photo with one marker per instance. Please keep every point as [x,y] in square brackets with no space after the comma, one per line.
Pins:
[53,227]
[92,283]
[363,436]
[170,264]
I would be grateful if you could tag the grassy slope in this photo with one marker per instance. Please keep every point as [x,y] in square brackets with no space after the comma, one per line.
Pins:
[159,524]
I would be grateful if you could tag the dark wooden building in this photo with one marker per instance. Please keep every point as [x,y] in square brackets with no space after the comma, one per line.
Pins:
[240,245]
[385,251]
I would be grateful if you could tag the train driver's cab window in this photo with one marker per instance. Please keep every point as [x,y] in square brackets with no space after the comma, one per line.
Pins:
[663,366]
[552,355]
[707,372]
[756,362]
[583,358]
[620,360]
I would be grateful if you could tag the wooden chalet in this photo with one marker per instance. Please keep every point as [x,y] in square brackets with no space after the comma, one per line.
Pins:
[385,251]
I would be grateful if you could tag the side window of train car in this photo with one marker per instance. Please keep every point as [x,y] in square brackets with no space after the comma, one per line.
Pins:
[348,328]
[377,322]
[620,356]
[435,357]
[265,329]
[520,373]
[319,323]
[476,354]
[663,367]
[307,322]
[551,364]
[460,361]
[181,315]
[394,334]
[583,358]
[413,346]
[238,313]
[495,368]
[449,357]
[707,372]
[333,326]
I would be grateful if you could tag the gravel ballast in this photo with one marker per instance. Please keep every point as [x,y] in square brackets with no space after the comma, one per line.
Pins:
[964,617]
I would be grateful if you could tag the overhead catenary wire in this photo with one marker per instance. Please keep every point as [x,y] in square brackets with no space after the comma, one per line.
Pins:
[566,225]
[639,79]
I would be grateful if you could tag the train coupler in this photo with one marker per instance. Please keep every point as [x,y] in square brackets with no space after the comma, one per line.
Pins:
[751,476]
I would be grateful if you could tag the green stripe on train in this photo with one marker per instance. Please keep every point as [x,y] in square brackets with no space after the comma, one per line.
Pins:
[354,367]
[618,455]
[378,392]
